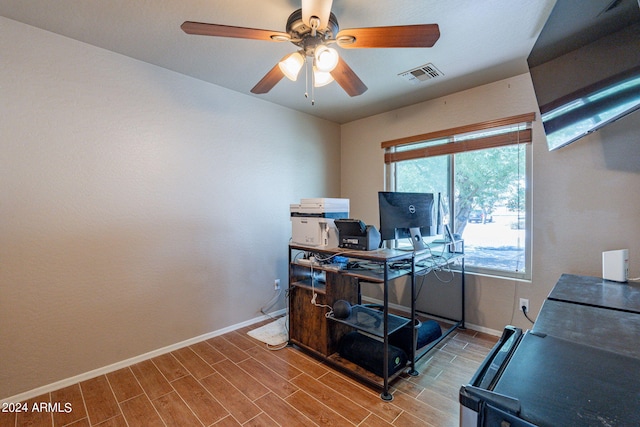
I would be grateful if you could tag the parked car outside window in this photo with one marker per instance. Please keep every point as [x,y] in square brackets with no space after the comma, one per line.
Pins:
[479,216]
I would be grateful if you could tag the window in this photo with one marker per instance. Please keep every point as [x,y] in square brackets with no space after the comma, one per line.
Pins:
[482,173]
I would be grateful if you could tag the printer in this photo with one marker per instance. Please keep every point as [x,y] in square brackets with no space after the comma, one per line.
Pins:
[355,234]
[312,221]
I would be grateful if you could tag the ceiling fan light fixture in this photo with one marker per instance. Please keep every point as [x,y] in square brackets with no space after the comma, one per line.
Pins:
[321,78]
[326,58]
[321,9]
[291,65]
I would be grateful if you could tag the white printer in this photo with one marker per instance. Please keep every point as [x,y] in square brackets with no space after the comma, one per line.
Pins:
[312,221]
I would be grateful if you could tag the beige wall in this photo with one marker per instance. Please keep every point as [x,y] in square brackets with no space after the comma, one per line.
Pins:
[585,196]
[140,208]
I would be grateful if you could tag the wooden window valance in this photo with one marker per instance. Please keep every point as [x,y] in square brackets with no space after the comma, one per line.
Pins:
[455,144]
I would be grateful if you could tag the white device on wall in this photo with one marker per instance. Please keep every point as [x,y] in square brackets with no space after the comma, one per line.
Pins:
[312,221]
[615,265]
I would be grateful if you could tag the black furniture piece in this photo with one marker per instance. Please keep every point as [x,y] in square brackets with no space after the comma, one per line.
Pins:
[578,366]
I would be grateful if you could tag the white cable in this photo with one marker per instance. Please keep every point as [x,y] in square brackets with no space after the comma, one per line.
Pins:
[315,295]
[284,344]
[271,302]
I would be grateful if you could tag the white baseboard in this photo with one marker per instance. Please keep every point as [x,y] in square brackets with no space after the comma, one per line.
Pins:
[132,361]
[482,329]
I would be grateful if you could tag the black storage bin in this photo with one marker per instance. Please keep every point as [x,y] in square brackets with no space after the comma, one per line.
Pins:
[368,353]
[427,332]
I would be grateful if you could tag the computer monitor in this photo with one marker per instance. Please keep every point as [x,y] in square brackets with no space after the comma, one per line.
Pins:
[409,215]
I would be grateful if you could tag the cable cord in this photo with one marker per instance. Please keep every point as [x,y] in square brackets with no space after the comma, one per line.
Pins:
[284,344]
[264,310]
[315,295]
[278,347]
[449,270]
[271,303]
[524,311]
[436,266]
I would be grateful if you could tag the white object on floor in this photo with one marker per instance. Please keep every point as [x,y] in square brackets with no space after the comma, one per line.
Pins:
[274,333]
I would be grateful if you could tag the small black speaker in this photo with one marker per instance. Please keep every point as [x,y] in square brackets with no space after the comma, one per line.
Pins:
[369,353]
[341,309]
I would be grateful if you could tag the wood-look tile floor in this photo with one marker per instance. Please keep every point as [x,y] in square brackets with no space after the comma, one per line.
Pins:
[234,380]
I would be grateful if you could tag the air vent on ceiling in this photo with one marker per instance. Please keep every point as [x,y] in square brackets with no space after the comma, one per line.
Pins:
[421,74]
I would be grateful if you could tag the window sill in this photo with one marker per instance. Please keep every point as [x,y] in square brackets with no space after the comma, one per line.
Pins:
[519,277]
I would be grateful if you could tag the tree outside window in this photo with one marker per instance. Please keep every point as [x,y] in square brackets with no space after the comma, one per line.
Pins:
[491,183]
[488,207]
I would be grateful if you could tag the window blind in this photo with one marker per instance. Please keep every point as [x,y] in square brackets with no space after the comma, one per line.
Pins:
[460,139]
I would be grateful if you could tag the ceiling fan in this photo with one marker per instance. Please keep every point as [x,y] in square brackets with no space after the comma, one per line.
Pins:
[313,29]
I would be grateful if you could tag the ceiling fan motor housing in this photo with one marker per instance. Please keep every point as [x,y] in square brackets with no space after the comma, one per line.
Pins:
[302,34]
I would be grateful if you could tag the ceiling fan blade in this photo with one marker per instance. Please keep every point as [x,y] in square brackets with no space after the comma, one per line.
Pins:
[423,35]
[268,81]
[204,29]
[347,79]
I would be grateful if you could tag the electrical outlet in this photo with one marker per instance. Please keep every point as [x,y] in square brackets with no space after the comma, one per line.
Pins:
[524,303]
[276,284]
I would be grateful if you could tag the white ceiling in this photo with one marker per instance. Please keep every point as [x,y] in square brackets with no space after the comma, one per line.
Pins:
[480,42]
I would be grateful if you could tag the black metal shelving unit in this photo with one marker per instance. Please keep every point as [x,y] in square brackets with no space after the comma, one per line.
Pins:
[383,266]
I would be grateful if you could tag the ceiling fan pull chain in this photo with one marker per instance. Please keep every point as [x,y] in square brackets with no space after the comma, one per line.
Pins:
[313,83]
[306,78]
